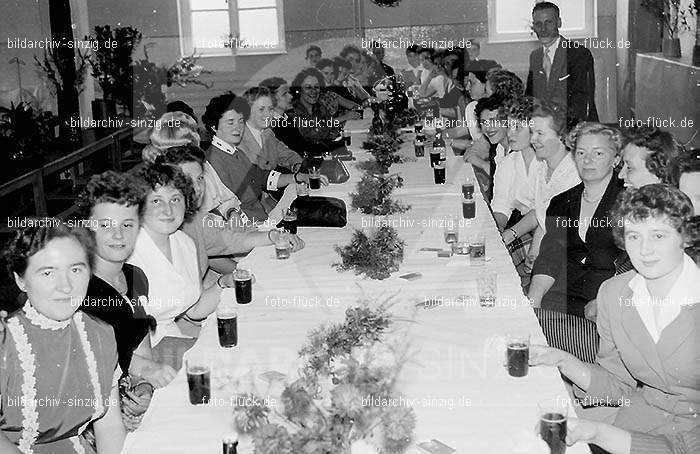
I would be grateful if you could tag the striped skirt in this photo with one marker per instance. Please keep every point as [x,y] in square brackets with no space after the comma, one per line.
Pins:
[570,333]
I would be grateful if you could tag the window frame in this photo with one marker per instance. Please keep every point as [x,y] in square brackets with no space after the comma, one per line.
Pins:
[590,29]
[184,13]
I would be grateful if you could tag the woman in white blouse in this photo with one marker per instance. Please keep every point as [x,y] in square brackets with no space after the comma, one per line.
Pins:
[554,171]
[168,256]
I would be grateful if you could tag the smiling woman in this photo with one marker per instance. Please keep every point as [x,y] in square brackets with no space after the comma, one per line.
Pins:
[52,266]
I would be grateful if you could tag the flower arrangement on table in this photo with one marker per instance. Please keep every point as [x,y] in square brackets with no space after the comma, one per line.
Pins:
[376,255]
[383,147]
[354,354]
[373,195]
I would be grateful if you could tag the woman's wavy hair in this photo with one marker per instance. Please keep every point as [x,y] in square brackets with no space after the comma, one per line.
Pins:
[692,231]
[172,129]
[111,187]
[350,49]
[586,128]
[518,108]
[663,149]
[253,94]
[30,240]
[651,201]
[157,175]
[295,88]
[219,105]
[546,109]
[505,83]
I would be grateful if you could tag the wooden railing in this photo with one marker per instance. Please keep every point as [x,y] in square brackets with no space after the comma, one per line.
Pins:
[112,144]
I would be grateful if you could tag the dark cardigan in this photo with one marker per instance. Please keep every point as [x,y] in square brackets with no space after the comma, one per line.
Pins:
[577,267]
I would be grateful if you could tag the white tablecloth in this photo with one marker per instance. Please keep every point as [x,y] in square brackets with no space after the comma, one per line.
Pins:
[455,379]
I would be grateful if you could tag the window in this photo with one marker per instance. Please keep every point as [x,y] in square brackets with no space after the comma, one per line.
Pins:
[511,21]
[228,27]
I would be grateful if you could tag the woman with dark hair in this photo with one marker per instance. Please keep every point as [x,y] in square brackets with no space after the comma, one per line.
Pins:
[314,121]
[434,80]
[167,255]
[453,103]
[117,292]
[649,325]
[51,351]
[647,155]
[225,118]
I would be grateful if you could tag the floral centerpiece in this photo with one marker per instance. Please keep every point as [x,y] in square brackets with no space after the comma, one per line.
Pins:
[363,368]
[383,147]
[376,255]
[373,195]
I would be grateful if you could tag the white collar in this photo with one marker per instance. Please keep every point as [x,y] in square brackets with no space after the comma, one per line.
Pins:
[684,292]
[42,321]
[552,47]
[224,146]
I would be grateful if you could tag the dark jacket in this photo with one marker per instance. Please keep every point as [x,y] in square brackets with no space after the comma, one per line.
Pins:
[129,321]
[571,82]
[578,268]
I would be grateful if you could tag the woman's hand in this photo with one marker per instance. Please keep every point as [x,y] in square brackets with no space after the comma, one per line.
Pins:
[159,375]
[296,243]
[542,355]
[591,310]
[581,430]
[304,177]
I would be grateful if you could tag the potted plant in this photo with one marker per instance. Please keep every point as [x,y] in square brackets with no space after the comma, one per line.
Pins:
[673,19]
[24,134]
[61,75]
[111,65]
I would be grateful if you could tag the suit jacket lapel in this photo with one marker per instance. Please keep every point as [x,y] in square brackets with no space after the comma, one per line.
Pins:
[559,64]
[639,337]
[675,334]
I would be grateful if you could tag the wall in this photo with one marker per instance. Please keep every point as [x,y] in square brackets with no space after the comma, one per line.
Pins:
[22,19]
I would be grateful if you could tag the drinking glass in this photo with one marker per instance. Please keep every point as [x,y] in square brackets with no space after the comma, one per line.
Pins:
[468,208]
[302,189]
[243,280]
[553,417]
[451,231]
[518,354]
[487,287]
[199,380]
[314,178]
[468,188]
[227,325]
[477,249]
[282,246]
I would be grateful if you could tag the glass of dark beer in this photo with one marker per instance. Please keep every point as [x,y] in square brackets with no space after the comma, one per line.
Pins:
[468,188]
[518,354]
[553,426]
[290,220]
[243,280]
[347,138]
[468,208]
[230,444]
[314,178]
[227,324]
[199,380]
[439,172]
[302,189]
[419,148]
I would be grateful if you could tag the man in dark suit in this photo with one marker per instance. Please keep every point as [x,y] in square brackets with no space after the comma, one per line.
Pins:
[561,72]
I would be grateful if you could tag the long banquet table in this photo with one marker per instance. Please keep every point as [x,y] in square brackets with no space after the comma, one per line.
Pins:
[462,394]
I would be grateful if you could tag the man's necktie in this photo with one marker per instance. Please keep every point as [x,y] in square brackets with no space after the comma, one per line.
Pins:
[546,63]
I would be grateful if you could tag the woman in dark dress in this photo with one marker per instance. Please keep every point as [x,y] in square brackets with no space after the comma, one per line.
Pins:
[117,290]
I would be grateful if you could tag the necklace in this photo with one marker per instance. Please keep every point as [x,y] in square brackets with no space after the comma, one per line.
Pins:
[590,200]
